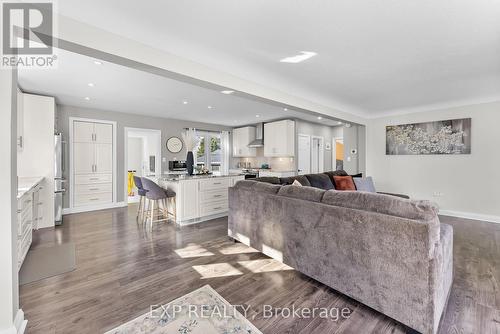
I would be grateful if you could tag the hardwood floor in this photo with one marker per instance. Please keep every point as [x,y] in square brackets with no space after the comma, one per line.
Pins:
[122,270]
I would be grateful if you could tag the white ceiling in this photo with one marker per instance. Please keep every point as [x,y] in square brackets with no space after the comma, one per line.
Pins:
[373,57]
[128,90]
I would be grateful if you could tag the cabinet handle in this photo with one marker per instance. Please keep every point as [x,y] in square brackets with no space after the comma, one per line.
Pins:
[216,183]
[94,189]
[94,179]
[217,195]
[93,199]
[218,208]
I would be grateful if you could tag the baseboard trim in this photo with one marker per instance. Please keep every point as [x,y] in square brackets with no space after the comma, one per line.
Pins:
[67,211]
[470,215]
[19,325]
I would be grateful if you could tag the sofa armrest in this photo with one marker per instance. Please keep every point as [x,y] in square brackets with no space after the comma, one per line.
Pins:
[391,194]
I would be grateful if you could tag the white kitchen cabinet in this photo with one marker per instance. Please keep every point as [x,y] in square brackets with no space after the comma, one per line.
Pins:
[279,139]
[241,138]
[200,199]
[93,163]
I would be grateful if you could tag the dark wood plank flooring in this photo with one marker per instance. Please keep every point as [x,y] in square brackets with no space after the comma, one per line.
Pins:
[122,269]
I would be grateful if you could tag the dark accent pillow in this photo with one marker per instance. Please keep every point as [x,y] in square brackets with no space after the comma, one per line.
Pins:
[357,175]
[268,179]
[289,180]
[333,173]
[344,183]
[321,181]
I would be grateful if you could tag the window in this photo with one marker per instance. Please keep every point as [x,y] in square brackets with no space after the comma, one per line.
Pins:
[209,151]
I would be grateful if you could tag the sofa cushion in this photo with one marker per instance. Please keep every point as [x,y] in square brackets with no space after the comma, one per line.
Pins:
[321,181]
[305,193]
[289,180]
[263,187]
[364,184]
[268,179]
[389,205]
[357,175]
[344,183]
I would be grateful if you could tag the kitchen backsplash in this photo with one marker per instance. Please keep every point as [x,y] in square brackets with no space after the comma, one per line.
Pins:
[282,164]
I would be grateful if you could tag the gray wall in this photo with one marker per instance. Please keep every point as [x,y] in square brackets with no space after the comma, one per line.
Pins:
[354,138]
[168,127]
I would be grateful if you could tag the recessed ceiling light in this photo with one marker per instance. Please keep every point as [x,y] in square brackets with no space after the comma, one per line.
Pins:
[87,98]
[184,102]
[304,55]
[209,107]
[97,62]
[319,117]
[285,109]
[339,122]
[257,116]
[90,84]
[227,92]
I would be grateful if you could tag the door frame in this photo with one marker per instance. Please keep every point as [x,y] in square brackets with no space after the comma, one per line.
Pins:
[334,151]
[321,153]
[71,178]
[298,152]
[158,161]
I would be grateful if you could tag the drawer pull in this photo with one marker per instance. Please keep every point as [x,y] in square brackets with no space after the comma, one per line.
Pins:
[217,183]
[218,208]
[93,199]
[94,189]
[18,211]
[217,196]
[94,179]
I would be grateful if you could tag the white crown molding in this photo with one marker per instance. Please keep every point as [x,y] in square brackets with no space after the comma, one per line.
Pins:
[434,107]
[471,215]
[67,211]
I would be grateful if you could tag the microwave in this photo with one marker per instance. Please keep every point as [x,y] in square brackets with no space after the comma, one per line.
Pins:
[177,165]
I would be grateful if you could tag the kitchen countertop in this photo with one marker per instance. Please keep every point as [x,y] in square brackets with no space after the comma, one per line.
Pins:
[176,177]
[25,184]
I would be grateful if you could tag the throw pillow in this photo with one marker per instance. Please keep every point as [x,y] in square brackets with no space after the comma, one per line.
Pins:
[344,183]
[364,184]
[296,183]
[321,181]
[357,175]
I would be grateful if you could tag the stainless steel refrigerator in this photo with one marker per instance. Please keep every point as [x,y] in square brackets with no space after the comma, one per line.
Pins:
[59,181]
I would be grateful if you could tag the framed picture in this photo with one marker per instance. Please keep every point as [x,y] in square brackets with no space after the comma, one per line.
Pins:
[439,137]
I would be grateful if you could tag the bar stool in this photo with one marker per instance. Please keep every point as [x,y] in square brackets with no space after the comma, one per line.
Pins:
[156,195]
[141,211]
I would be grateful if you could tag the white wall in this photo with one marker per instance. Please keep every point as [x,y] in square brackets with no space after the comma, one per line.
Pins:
[37,156]
[135,155]
[470,184]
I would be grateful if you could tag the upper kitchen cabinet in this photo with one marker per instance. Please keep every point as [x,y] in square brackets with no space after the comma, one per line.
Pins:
[279,139]
[241,138]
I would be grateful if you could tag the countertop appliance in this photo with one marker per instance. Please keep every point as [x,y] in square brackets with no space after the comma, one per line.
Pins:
[177,165]
[59,180]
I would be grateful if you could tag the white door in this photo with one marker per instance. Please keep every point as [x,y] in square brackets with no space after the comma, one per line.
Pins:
[304,151]
[104,158]
[84,158]
[103,133]
[135,155]
[83,132]
[314,155]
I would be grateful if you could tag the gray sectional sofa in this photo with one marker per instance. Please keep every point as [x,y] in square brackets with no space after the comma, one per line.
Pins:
[389,253]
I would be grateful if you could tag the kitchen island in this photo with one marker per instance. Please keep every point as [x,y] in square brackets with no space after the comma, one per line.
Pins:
[199,197]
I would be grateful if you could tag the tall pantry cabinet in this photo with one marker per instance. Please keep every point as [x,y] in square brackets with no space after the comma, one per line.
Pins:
[93,163]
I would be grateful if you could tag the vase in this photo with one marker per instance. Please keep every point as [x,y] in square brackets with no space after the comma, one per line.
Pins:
[190,163]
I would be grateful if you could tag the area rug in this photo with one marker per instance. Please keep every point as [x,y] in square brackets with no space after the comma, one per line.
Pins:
[46,262]
[202,311]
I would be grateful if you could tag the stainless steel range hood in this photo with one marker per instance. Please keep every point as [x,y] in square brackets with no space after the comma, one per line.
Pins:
[259,137]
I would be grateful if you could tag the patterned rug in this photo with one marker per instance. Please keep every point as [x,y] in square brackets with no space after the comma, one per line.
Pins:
[202,311]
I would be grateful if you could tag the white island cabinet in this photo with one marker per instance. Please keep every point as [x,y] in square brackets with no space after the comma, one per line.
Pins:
[200,198]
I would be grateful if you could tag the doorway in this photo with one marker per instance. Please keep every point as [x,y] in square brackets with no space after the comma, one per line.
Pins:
[304,154]
[317,155]
[338,153]
[142,158]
